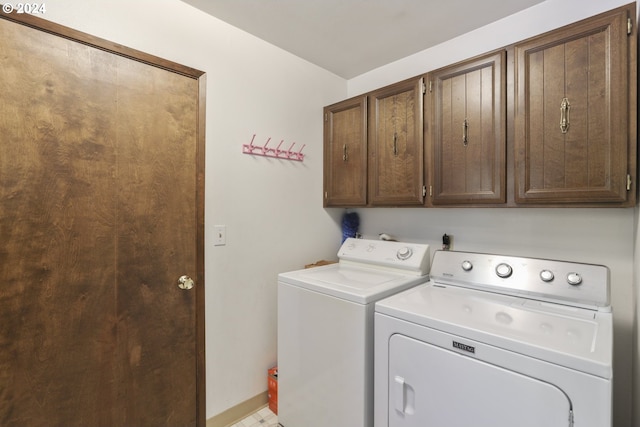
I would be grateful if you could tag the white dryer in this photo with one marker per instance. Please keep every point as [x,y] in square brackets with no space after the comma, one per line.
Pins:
[325,331]
[496,341]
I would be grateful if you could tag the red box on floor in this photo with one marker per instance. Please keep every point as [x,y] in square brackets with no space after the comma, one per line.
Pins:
[273,389]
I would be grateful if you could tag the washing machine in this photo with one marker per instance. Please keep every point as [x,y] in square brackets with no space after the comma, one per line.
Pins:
[325,330]
[496,341]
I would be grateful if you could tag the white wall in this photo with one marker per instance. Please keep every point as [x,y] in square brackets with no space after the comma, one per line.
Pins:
[270,206]
[604,236]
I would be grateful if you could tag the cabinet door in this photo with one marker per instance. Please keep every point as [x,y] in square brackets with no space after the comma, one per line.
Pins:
[575,93]
[345,153]
[396,145]
[468,131]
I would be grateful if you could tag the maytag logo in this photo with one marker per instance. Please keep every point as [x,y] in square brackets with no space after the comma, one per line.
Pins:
[464,347]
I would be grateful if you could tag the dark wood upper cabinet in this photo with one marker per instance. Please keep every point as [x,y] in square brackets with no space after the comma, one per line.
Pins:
[396,174]
[345,153]
[575,112]
[549,121]
[467,119]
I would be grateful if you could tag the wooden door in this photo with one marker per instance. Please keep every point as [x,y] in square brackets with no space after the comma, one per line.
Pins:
[345,153]
[101,211]
[574,122]
[396,144]
[468,131]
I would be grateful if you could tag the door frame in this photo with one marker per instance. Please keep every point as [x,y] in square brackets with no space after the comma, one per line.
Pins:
[200,76]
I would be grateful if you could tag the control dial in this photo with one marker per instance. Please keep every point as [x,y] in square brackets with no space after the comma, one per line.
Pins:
[546,275]
[404,253]
[503,270]
[574,279]
[466,265]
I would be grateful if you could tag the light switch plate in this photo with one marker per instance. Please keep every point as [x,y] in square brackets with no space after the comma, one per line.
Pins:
[219,235]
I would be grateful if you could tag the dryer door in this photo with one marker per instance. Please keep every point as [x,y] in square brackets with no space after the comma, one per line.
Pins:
[433,387]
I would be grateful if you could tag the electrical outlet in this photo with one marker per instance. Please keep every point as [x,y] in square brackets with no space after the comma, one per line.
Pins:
[447,242]
[219,235]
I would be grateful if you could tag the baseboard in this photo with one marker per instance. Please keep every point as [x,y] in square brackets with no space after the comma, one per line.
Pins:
[240,411]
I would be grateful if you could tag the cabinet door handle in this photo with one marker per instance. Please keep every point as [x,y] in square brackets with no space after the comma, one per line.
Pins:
[395,143]
[564,115]
[345,153]
[465,133]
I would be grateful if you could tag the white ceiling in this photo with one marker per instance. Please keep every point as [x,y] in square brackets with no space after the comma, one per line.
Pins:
[351,37]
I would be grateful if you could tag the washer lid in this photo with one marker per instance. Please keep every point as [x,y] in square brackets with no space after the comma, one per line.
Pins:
[354,283]
[576,338]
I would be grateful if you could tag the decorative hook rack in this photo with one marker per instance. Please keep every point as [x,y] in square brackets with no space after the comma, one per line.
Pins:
[265,151]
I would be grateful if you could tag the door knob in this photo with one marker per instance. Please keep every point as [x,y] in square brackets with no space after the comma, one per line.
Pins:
[185,282]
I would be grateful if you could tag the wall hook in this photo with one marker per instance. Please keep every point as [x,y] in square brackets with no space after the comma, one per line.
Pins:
[264,150]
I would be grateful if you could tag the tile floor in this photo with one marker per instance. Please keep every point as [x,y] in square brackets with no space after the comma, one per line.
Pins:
[263,418]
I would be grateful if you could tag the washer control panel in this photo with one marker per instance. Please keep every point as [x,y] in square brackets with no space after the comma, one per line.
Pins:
[408,257]
[572,283]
